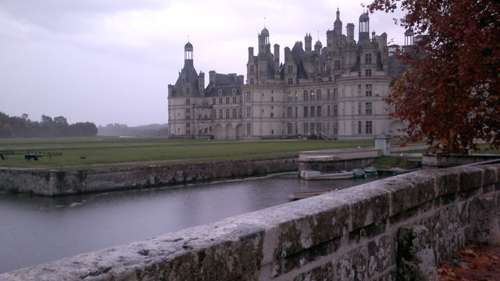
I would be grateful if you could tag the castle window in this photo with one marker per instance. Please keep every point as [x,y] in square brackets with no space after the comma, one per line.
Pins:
[368,90]
[234,91]
[289,128]
[359,127]
[359,73]
[359,90]
[188,101]
[249,112]
[227,114]
[272,98]
[337,64]
[319,94]
[251,81]
[220,100]
[252,70]
[368,58]
[318,111]
[241,99]
[335,128]
[368,108]
[337,76]
[220,92]
[368,127]
[319,128]
[328,111]
[249,97]
[188,90]
[249,128]
[214,100]
[228,100]
[297,81]
[288,96]
[214,114]
[306,111]
[234,113]
[335,110]
[368,72]
[188,117]
[234,100]
[328,94]
[313,96]
[335,94]
[312,111]
[312,129]
[290,81]
[290,69]
[289,112]
[306,128]
[306,95]
[241,113]
[220,113]
[296,112]
[272,115]
[359,108]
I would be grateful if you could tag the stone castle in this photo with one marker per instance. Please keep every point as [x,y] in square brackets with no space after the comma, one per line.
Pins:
[335,91]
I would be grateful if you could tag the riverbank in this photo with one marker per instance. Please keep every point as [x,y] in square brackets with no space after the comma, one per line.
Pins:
[57,183]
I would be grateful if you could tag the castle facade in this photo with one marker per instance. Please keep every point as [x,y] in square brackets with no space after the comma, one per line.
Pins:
[335,91]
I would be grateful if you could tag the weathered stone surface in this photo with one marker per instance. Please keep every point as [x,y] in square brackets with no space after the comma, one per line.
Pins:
[485,222]
[381,254]
[322,273]
[470,177]
[415,255]
[353,265]
[410,190]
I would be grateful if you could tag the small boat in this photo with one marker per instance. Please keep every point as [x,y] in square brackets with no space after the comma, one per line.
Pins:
[316,175]
[370,171]
[307,194]
[359,173]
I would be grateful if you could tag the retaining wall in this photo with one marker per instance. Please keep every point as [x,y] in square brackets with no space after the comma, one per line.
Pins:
[380,231]
[53,183]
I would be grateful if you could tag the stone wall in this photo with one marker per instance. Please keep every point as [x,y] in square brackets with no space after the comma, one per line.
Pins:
[433,161]
[52,183]
[399,227]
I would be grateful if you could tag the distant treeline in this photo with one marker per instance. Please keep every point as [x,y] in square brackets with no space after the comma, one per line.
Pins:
[22,127]
[152,130]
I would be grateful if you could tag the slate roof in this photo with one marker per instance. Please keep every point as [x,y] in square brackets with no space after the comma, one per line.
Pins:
[191,77]
[298,56]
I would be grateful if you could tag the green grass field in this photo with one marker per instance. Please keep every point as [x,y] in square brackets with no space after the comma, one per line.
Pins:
[150,151]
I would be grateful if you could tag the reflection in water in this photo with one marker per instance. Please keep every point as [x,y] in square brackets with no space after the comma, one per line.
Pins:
[36,230]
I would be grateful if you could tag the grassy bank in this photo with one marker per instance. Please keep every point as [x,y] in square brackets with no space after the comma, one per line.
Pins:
[133,151]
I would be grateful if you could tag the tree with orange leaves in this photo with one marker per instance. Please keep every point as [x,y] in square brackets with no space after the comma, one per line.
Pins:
[450,95]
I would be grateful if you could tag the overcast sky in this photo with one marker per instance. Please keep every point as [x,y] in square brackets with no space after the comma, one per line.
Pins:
[110,61]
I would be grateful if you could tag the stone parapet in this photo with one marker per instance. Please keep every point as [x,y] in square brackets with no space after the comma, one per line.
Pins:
[351,234]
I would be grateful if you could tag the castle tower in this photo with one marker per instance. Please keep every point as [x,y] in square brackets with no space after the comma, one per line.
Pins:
[364,28]
[188,52]
[409,37]
[263,41]
[337,25]
[317,47]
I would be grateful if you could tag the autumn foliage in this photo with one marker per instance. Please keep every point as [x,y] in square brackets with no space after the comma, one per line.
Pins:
[450,95]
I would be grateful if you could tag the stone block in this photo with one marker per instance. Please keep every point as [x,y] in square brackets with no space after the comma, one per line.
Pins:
[381,253]
[410,190]
[485,221]
[369,203]
[415,256]
[471,177]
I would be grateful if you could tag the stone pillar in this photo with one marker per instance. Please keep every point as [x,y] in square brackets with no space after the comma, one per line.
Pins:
[484,219]
[415,255]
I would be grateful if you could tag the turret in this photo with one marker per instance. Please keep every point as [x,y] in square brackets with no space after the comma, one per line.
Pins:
[337,25]
[364,28]
[263,41]
[408,37]
[212,75]
[317,47]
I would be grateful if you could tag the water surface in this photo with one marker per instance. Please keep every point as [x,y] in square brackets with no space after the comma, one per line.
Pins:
[35,230]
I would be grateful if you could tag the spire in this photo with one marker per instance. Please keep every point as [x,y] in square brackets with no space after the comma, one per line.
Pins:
[337,25]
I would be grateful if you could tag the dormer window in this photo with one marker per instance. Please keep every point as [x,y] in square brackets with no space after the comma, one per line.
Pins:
[188,91]
[368,58]
[234,91]
[220,92]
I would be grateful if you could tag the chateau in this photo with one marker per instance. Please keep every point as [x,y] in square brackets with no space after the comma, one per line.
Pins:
[335,90]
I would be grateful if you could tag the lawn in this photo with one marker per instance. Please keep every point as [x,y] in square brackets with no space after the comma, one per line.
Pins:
[81,153]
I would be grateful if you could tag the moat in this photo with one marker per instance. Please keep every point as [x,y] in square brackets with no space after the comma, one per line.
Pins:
[36,230]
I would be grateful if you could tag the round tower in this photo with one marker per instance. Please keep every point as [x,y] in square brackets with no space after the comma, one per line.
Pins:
[364,27]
